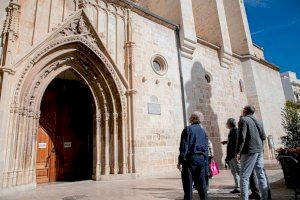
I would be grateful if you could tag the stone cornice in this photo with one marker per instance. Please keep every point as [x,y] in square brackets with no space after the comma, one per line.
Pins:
[240,57]
[208,44]
[261,61]
[261,48]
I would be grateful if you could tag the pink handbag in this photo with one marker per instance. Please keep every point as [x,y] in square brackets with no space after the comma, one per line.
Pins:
[214,168]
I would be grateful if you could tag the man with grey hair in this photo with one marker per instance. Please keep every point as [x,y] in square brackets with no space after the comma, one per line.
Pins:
[193,156]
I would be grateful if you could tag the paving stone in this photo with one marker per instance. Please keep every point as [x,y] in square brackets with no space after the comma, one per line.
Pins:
[152,188]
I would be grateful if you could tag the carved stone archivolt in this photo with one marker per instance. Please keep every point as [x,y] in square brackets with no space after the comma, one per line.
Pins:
[71,34]
[74,46]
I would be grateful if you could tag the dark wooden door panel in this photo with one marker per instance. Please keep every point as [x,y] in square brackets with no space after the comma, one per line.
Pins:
[43,156]
[67,119]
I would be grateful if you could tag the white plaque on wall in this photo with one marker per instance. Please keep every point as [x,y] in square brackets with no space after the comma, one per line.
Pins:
[42,145]
[67,144]
[154,106]
[154,109]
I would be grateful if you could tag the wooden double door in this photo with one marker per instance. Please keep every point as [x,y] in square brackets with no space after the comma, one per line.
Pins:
[65,135]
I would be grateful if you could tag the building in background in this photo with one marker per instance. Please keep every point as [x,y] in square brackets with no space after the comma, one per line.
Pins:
[291,86]
[101,89]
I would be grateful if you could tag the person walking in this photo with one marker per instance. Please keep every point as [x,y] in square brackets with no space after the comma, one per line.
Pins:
[235,167]
[210,151]
[249,152]
[193,157]
[210,158]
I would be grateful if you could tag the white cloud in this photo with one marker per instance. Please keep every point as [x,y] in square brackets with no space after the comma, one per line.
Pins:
[274,28]
[257,3]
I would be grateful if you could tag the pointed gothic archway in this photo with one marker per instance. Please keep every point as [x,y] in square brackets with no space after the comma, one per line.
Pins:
[110,148]
[65,134]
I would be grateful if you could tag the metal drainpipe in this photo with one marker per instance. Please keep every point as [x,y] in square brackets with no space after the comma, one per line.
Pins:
[181,77]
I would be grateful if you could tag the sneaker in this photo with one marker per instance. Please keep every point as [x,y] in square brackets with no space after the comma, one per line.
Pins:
[235,191]
[254,196]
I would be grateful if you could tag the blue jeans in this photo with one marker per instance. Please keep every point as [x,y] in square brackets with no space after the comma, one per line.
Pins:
[235,168]
[248,163]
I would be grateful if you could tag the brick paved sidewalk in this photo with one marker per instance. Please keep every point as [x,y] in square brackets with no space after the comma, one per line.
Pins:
[167,187]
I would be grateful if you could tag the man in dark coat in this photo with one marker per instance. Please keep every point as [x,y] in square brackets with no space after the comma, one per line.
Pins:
[249,152]
[193,158]
[235,167]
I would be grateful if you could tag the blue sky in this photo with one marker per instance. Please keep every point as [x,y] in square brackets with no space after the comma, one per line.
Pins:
[275,26]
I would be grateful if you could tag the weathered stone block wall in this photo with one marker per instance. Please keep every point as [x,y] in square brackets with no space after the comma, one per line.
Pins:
[207,21]
[288,89]
[238,27]
[156,136]
[168,9]
[266,93]
[220,99]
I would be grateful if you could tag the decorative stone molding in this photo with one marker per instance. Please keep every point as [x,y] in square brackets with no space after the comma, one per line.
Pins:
[188,48]
[115,115]
[225,59]
[104,5]
[98,117]
[79,30]
[107,116]
[130,92]
[11,24]
[23,111]
[86,50]
[7,70]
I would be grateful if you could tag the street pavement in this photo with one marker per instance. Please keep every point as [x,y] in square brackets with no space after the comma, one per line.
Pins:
[165,187]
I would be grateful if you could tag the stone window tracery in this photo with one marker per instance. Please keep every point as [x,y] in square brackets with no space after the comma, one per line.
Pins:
[159,64]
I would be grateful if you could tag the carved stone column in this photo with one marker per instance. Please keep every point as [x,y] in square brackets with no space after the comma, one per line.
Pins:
[12,129]
[19,148]
[97,162]
[106,149]
[28,145]
[35,128]
[115,144]
[130,93]
[131,164]
[124,153]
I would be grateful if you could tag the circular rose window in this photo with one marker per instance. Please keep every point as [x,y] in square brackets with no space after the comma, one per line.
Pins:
[159,65]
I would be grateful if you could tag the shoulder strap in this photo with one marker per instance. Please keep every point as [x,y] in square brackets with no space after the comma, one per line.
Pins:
[255,122]
[257,126]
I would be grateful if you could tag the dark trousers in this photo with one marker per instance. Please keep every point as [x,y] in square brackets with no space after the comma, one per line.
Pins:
[196,173]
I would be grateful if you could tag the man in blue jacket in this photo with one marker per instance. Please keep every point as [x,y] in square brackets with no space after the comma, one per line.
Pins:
[193,157]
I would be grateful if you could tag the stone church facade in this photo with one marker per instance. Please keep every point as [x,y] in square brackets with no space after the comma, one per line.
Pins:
[147,65]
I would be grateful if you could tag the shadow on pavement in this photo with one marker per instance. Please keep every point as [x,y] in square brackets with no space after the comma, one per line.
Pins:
[279,192]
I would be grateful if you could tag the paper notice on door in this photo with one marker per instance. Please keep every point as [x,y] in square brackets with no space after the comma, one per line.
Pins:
[67,144]
[42,145]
